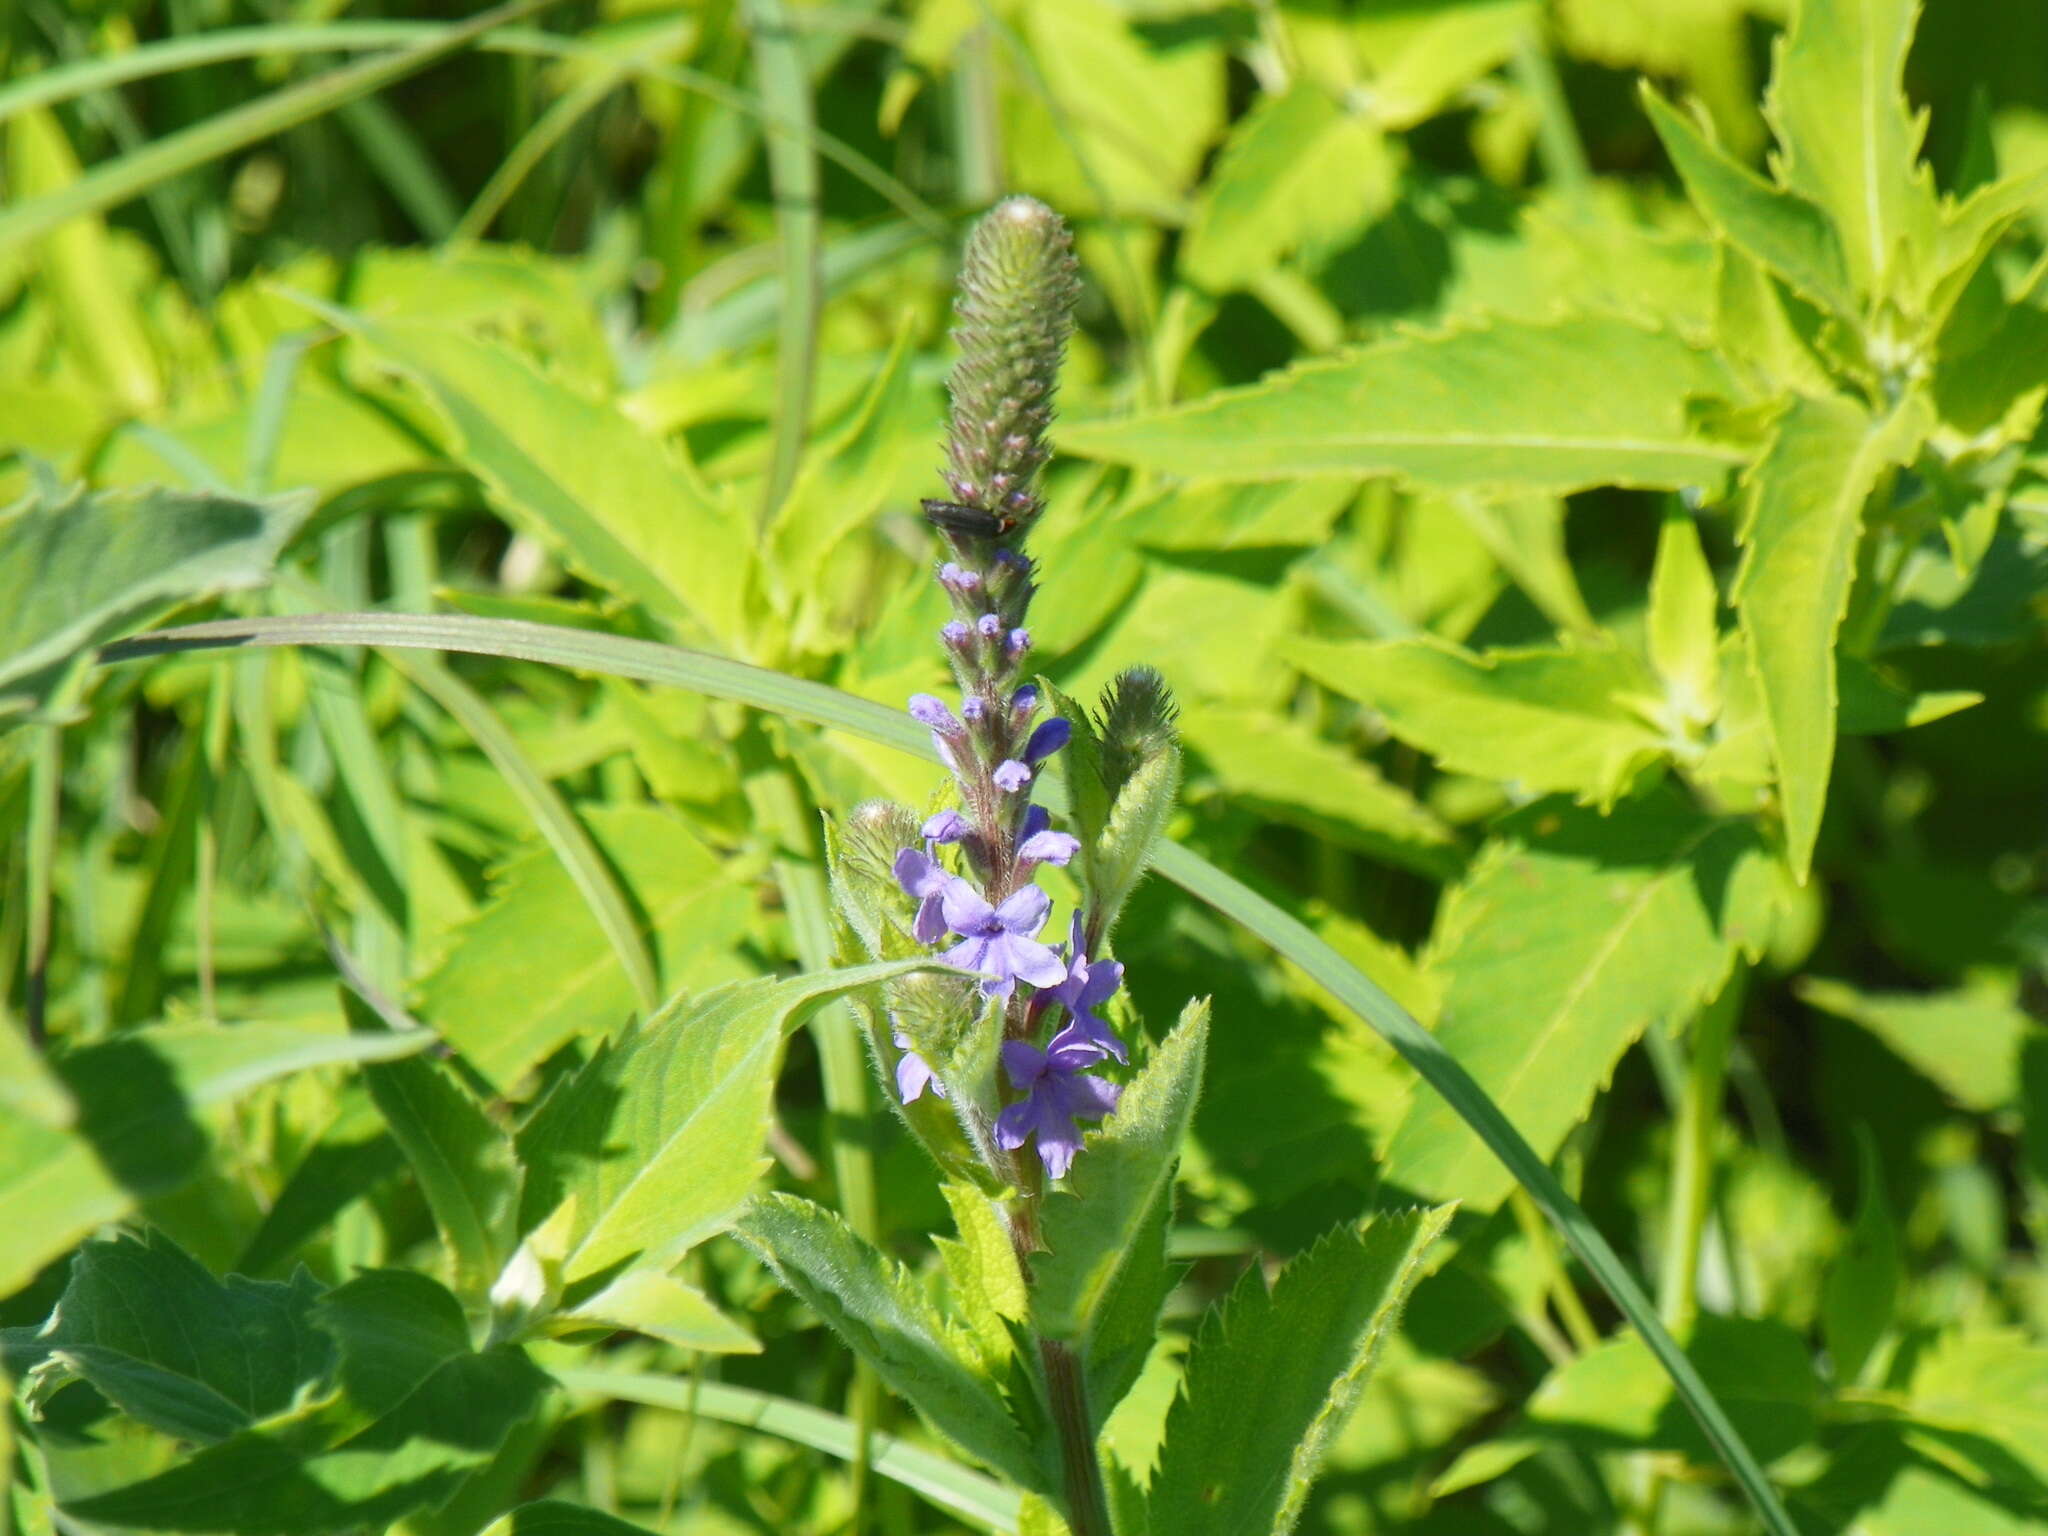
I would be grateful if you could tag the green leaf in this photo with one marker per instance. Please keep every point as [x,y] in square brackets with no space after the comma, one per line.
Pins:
[1863,1283]
[555,1517]
[1986,1390]
[1570,936]
[77,567]
[576,473]
[1802,520]
[135,1133]
[981,1263]
[884,1316]
[1966,1041]
[651,1147]
[1613,1397]
[1103,1281]
[1276,768]
[662,1307]
[1553,719]
[1683,623]
[414,1409]
[1298,171]
[1557,406]
[463,1162]
[1272,1376]
[969,1496]
[1849,141]
[1782,230]
[1874,704]
[170,1345]
[534,969]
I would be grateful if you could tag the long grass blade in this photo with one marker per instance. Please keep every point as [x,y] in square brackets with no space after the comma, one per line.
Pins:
[821,705]
[980,1501]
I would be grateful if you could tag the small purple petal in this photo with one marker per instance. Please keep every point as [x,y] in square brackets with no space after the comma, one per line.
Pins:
[1025,1062]
[955,632]
[989,625]
[1059,1143]
[973,707]
[958,578]
[1025,699]
[1018,642]
[1014,1125]
[966,912]
[1011,776]
[1036,819]
[1023,911]
[931,711]
[1049,848]
[1050,736]
[948,826]
[1028,960]
[919,873]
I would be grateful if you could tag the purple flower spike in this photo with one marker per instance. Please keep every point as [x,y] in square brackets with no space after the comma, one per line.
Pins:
[1018,643]
[1011,776]
[958,578]
[913,1073]
[1089,984]
[1057,1093]
[948,826]
[989,625]
[925,878]
[1050,736]
[1048,848]
[1000,942]
[927,709]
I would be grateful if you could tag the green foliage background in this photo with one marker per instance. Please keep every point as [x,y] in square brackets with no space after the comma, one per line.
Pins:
[1595,536]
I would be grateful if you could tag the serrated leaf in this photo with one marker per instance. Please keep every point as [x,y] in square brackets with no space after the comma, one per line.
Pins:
[415,1409]
[1544,406]
[533,969]
[1966,1041]
[576,473]
[1987,1386]
[1272,1376]
[192,1356]
[1546,720]
[884,1316]
[982,1264]
[1297,171]
[1802,520]
[135,1135]
[1849,141]
[1274,767]
[1783,230]
[1571,935]
[77,567]
[463,1162]
[651,1147]
[1101,1284]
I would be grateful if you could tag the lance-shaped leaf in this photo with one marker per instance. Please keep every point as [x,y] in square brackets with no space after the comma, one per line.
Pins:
[1551,719]
[77,567]
[651,1147]
[1849,141]
[1572,934]
[133,1104]
[1102,1283]
[885,1317]
[168,1344]
[1272,1376]
[1548,406]
[1788,234]
[413,1410]
[1802,520]
[574,472]
[463,1162]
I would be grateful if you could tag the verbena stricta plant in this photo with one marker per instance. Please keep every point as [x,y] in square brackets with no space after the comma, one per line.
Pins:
[1002,1062]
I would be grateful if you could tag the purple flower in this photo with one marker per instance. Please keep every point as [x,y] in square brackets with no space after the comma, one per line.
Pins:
[1056,1094]
[1018,642]
[955,633]
[925,878]
[948,826]
[1011,776]
[989,625]
[927,709]
[973,707]
[1024,700]
[958,578]
[913,1073]
[1089,984]
[1050,736]
[1000,942]
[1041,845]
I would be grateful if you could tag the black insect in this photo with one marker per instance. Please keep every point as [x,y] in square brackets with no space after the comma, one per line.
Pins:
[975,522]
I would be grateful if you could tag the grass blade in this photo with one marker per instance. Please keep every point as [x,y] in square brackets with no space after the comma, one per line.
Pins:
[978,1500]
[649,662]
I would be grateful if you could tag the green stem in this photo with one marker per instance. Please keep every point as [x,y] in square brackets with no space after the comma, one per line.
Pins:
[1578,1322]
[1087,1506]
[1557,136]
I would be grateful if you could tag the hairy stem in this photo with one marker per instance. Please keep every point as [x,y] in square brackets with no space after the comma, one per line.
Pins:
[1087,1508]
